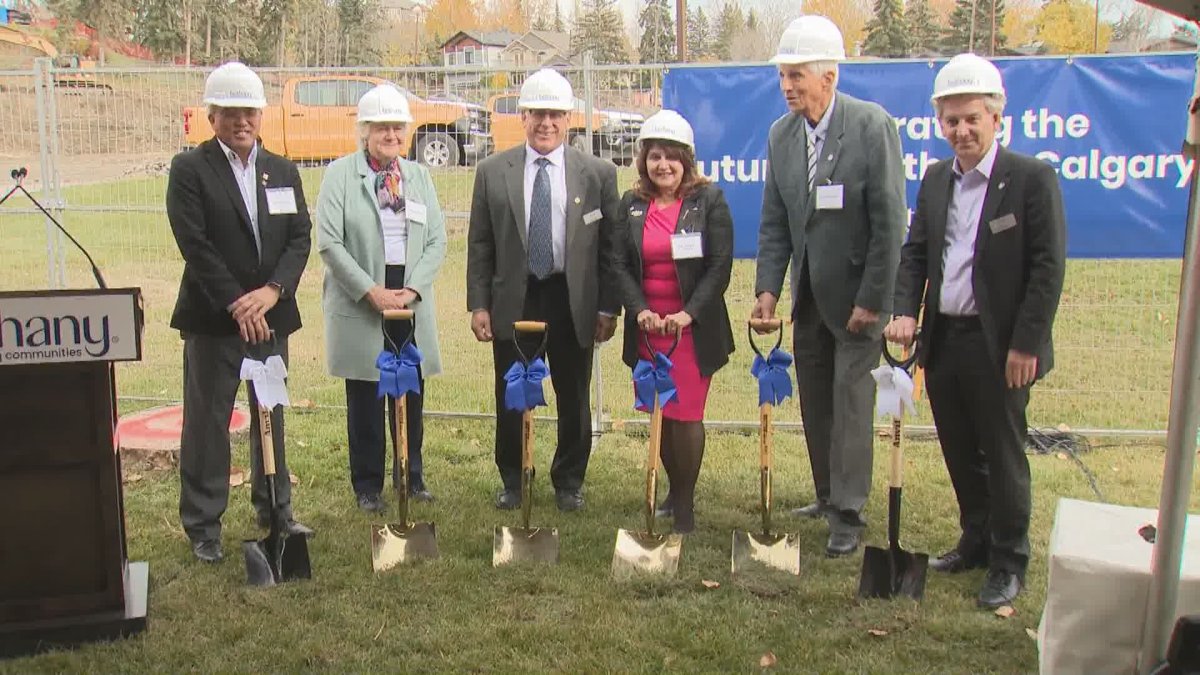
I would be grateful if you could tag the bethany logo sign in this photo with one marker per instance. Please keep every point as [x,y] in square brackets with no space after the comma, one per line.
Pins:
[65,326]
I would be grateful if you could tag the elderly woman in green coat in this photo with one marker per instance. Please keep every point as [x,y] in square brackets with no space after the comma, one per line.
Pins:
[382,237]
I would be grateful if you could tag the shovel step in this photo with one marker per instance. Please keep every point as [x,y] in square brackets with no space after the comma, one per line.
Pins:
[519,544]
[394,544]
[643,553]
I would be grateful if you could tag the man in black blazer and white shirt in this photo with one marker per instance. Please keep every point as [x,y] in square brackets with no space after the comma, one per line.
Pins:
[239,218]
[985,256]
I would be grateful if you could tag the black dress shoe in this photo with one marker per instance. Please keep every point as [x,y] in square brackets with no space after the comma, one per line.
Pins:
[568,500]
[208,550]
[291,527]
[1000,589]
[371,503]
[814,510]
[841,543]
[953,562]
[507,500]
[420,494]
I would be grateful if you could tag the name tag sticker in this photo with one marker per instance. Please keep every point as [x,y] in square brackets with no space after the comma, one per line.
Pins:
[829,197]
[1003,223]
[281,201]
[415,211]
[686,246]
[592,216]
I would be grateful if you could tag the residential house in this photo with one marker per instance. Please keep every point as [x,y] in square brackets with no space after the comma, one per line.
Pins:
[538,49]
[475,48]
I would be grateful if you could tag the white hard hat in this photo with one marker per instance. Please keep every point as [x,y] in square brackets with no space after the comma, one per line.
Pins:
[668,125]
[384,103]
[546,90]
[233,85]
[810,38]
[968,74]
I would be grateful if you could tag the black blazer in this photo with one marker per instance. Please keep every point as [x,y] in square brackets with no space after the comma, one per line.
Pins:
[213,231]
[1018,271]
[702,281]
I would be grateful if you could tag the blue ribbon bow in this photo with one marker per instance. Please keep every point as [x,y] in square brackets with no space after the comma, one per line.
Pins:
[398,374]
[524,389]
[774,381]
[650,378]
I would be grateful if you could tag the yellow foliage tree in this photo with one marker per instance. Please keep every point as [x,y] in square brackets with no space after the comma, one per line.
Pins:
[1020,21]
[446,17]
[1068,27]
[506,15]
[850,16]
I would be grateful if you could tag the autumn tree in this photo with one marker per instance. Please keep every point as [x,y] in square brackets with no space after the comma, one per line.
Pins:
[507,15]
[446,17]
[600,29]
[108,18]
[1132,30]
[725,28]
[764,24]
[887,33]
[1020,22]
[657,43]
[850,16]
[975,26]
[1068,27]
[924,28]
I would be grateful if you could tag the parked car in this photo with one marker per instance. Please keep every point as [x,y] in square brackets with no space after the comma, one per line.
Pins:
[614,133]
[315,121]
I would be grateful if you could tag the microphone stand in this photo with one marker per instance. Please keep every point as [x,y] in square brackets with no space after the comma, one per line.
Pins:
[18,175]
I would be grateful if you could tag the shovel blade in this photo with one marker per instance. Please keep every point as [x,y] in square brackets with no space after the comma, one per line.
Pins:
[889,572]
[776,551]
[396,543]
[276,559]
[644,553]
[519,544]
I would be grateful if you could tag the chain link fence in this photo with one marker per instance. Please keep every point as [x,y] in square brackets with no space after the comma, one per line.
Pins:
[98,144]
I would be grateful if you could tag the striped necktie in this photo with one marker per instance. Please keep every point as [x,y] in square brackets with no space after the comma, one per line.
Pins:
[812,160]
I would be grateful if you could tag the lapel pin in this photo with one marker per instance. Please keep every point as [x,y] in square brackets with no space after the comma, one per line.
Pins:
[829,158]
[635,212]
[1000,186]
[577,200]
[265,176]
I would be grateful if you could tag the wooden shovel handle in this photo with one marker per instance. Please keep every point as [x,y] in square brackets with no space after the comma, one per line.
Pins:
[655,445]
[397,314]
[529,326]
[267,438]
[896,473]
[767,325]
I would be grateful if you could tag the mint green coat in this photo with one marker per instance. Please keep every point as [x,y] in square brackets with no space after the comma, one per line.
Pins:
[350,241]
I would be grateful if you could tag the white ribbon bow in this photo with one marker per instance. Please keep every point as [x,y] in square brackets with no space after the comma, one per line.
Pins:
[269,378]
[893,391]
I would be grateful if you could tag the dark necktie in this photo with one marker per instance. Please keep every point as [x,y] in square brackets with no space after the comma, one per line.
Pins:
[540,235]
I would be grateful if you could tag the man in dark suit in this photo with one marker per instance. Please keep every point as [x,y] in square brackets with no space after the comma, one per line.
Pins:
[539,249]
[241,224]
[985,256]
[833,208]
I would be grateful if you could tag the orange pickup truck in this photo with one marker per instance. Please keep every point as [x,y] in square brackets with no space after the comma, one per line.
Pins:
[614,133]
[316,117]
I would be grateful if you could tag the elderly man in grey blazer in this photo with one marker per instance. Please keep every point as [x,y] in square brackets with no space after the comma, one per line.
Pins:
[833,207]
[539,248]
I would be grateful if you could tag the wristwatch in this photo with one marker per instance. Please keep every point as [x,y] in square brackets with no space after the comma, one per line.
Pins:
[279,287]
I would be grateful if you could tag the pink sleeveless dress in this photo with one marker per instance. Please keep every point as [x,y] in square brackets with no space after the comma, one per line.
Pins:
[661,288]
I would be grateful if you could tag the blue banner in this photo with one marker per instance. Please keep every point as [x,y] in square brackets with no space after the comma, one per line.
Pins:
[1112,126]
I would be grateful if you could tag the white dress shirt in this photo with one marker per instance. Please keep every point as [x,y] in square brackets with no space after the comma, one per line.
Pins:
[243,174]
[962,228]
[556,170]
[820,131]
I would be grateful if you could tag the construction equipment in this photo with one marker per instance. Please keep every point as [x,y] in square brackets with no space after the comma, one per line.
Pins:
[403,541]
[893,571]
[775,551]
[526,544]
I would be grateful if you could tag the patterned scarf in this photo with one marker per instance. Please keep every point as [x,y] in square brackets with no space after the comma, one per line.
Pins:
[388,184]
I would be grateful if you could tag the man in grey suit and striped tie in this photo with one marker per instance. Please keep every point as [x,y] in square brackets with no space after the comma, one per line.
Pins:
[833,208]
[539,248]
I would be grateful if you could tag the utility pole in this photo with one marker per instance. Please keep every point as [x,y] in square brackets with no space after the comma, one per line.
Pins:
[681,30]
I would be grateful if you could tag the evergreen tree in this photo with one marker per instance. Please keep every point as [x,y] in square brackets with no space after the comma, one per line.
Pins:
[923,28]
[657,44]
[959,36]
[599,29]
[699,35]
[887,34]
[728,25]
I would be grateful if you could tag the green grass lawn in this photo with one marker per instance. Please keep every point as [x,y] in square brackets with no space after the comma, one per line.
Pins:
[1113,340]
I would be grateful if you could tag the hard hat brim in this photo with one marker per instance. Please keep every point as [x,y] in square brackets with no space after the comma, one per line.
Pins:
[258,103]
[397,119]
[965,91]
[546,106]
[795,60]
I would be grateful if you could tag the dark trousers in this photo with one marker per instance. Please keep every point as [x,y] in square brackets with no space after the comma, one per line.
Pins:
[570,375]
[364,417]
[837,401]
[982,430]
[211,377]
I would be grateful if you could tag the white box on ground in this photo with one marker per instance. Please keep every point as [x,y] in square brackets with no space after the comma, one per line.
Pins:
[1099,584]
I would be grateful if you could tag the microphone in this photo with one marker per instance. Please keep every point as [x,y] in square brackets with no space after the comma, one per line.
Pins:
[18,176]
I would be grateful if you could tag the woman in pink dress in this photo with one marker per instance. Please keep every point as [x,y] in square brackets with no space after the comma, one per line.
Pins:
[673,252]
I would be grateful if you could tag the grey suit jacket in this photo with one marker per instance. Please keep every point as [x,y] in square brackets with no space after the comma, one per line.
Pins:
[1017,274]
[852,252]
[497,260]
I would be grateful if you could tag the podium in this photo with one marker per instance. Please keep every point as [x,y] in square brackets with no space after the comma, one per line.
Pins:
[64,574]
